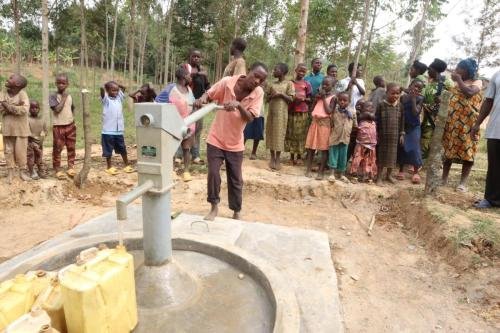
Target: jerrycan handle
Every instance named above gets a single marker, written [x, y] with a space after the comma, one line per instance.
[86, 255]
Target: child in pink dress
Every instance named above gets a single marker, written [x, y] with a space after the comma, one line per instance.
[364, 161]
[319, 132]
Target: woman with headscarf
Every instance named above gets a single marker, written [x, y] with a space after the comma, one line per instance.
[465, 102]
[436, 83]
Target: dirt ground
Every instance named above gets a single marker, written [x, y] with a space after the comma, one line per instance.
[404, 278]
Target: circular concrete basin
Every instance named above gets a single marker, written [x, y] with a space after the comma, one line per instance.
[215, 287]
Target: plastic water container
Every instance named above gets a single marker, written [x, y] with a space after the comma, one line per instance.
[16, 297]
[18, 294]
[98, 292]
[36, 321]
[50, 300]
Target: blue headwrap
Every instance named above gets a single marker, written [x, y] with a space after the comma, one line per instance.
[470, 65]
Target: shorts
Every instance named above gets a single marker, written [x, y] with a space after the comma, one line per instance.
[111, 142]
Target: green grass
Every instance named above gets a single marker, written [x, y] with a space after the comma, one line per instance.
[481, 228]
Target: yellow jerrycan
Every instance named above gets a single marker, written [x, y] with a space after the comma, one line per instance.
[50, 300]
[36, 321]
[18, 294]
[98, 292]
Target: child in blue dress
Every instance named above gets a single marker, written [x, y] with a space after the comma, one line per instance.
[410, 153]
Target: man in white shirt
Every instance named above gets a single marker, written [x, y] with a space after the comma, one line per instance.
[491, 107]
[358, 85]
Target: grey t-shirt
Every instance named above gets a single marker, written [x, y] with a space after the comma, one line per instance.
[493, 91]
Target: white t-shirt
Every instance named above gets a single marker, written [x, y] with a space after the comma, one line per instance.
[493, 91]
[356, 95]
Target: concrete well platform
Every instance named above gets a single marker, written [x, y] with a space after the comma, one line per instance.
[296, 262]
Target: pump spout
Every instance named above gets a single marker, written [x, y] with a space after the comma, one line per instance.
[123, 201]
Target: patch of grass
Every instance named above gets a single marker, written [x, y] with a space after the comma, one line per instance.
[481, 228]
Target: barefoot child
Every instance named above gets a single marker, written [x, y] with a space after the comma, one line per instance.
[296, 130]
[279, 94]
[113, 126]
[38, 130]
[14, 108]
[390, 120]
[344, 119]
[182, 97]
[145, 94]
[364, 161]
[319, 131]
[409, 153]
[64, 128]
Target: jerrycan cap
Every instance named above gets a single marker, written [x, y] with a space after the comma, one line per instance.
[41, 273]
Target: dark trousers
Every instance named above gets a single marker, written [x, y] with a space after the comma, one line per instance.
[492, 191]
[63, 135]
[234, 160]
[35, 155]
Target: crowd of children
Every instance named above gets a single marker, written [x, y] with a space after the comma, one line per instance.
[24, 131]
[311, 115]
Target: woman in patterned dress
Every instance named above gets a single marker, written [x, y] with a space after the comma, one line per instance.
[464, 106]
[279, 94]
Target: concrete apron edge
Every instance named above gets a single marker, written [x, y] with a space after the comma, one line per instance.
[287, 311]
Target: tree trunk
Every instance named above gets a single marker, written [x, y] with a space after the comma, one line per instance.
[102, 55]
[83, 47]
[218, 61]
[434, 161]
[125, 59]
[300, 50]
[131, 44]
[265, 34]
[107, 34]
[81, 177]
[170, 14]
[419, 35]
[172, 78]
[361, 40]
[370, 36]
[143, 51]
[348, 56]
[482, 35]
[45, 62]
[15, 12]
[115, 23]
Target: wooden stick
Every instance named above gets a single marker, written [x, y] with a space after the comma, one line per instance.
[372, 223]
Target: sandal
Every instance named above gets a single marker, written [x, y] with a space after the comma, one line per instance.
[462, 188]
[112, 171]
[483, 204]
[416, 179]
[332, 179]
[71, 172]
[198, 161]
[60, 175]
[186, 176]
[128, 169]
